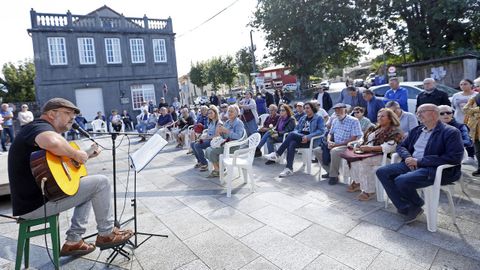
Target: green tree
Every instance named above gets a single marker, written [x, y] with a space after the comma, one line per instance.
[229, 71]
[243, 59]
[424, 29]
[220, 70]
[19, 80]
[198, 75]
[307, 35]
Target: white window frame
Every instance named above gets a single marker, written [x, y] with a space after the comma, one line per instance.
[137, 50]
[57, 51]
[113, 53]
[141, 93]
[86, 51]
[159, 50]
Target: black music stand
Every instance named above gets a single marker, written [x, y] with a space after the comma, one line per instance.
[141, 158]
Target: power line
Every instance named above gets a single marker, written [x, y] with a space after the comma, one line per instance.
[209, 19]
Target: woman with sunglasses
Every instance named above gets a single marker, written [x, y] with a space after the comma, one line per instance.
[460, 99]
[365, 123]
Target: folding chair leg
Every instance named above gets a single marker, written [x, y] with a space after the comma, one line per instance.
[450, 193]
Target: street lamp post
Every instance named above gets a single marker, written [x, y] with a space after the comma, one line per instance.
[252, 51]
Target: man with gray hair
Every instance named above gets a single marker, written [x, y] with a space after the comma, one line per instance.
[426, 147]
[432, 95]
[397, 93]
[407, 120]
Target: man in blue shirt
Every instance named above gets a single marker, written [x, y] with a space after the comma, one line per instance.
[397, 93]
[373, 105]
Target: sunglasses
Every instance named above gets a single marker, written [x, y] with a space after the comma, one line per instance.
[448, 113]
[282, 110]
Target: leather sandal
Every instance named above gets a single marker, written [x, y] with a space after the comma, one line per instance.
[365, 196]
[78, 249]
[353, 187]
[115, 238]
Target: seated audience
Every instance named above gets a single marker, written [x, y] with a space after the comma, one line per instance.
[271, 119]
[173, 112]
[184, 121]
[142, 121]
[100, 116]
[373, 105]
[407, 120]
[426, 147]
[164, 122]
[232, 129]
[359, 113]
[286, 123]
[127, 120]
[309, 126]
[299, 112]
[382, 138]
[223, 112]
[203, 142]
[472, 119]
[344, 129]
[249, 113]
[116, 121]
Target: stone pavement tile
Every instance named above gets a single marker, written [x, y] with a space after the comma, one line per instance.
[453, 241]
[466, 227]
[344, 249]
[466, 209]
[385, 219]
[245, 204]
[281, 200]
[281, 220]
[389, 261]
[196, 180]
[186, 223]
[234, 222]
[449, 260]
[166, 182]
[194, 265]
[355, 208]
[327, 216]
[260, 264]
[220, 251]
[280, 249]
[325, 262]
[413, 250]
[6, 264]
[161, 205]
[202, 204]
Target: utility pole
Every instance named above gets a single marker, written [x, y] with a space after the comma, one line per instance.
[252, 51]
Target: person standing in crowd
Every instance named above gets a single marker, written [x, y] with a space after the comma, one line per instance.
[407, 120]
[1, 125]
[127, 120]
[426, 147]
[214, 99]
[271, 120]
[231, 130]
[472, 119]
[323, 98]
[261, 104]
[203, 142]
[396, 93]
[382, 138]
[151, 106]
[344, 97]
[175, 104]
[344, 129]
[269, 99]
[280, 97]
[25, 116]
[94, 190]
[359, 113]
[249, 114]
[299, 112]
[162, 103]
[374, 105]
[7, 125]
[309, 126]
[357, 98]
[432, 95]
[446, 116]
[460, 99]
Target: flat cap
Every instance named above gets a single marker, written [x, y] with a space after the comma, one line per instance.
[339, 105]
[56, 103]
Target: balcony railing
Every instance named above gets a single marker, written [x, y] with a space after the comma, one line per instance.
[68, 21]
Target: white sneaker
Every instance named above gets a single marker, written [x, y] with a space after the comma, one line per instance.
[286, 172]
[469, 161]
[272, 156]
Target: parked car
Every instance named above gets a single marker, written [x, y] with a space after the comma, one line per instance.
[358, 83]
[325, 85]
[370, 80]
[413, 88]
[202, 100]
[289, 87]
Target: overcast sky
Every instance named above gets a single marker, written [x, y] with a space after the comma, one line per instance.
[224, 35]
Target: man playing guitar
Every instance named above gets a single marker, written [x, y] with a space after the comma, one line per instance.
[94, 191]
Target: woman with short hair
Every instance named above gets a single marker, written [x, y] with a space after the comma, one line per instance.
[249, 114]
[203, 142]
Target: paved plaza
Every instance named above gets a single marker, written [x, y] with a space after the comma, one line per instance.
[297, 222]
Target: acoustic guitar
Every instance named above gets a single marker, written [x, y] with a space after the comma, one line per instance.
[61, 175]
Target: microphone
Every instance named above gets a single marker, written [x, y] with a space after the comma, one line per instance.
[81, 130]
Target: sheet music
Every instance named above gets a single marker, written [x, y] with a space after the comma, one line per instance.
[147, 152]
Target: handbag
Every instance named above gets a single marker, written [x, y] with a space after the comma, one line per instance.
[350, 155]
[217, 142]
[247, 115]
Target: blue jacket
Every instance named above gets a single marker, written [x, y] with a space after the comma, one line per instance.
[373, 106]
[261, 105]
[400, 96]
[445, 146]
[317, 128]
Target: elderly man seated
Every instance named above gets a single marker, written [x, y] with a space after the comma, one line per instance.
[426, 147]
[407, 120]
[345, 129]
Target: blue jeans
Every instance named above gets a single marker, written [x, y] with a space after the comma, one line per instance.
[198, 148]
[251, 127]
[293, 141]
[401, 184]
[6, 130]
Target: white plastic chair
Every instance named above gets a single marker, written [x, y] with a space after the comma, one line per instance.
[307, 154]
[226, 153]
[110, 126]
[98, 125]
[243, 160]
[431, 195]
[186, 144]
[262, 118]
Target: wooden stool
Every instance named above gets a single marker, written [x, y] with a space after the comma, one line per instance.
[25, 233]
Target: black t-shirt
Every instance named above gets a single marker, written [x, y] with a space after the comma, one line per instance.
[26, 195]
